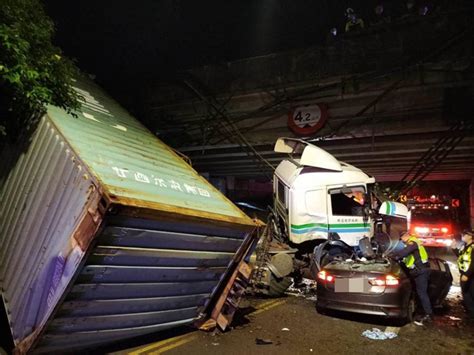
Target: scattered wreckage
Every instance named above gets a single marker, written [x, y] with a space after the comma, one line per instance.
[325, 225]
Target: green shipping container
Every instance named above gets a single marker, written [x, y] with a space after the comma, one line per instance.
[106, 233]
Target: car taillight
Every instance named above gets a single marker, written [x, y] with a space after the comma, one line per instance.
[388, 280]
[444, 230]
[324, 276]
[391, 280]
[377, 282]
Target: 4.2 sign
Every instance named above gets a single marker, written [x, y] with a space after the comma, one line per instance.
[307, 120]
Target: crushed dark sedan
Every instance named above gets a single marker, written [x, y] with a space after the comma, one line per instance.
[377, 287]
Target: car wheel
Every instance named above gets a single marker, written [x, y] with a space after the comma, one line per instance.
[320, 310]
[411, 308]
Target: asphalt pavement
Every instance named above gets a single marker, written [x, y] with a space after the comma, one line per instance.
[291, 325]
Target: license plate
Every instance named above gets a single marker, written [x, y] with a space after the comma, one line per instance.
[350, 285]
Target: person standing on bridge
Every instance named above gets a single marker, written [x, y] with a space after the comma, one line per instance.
[354, 22]
[466, 269]
[415, 258]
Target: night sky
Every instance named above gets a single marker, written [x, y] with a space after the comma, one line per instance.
[152, 39]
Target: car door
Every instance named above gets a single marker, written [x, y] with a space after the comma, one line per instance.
[440, 281]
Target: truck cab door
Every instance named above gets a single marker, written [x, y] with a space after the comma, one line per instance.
[281, 199]
[346, 213]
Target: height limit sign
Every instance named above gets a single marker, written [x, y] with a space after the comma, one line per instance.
[307, 120]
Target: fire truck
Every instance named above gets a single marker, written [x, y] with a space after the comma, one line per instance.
[431, 220]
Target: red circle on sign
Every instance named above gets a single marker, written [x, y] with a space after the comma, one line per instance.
[307, 120]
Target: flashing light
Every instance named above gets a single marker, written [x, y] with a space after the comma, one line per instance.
[422, 229]
[444, 230]
[388, 280]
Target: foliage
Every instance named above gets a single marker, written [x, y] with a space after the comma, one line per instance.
[33, 72]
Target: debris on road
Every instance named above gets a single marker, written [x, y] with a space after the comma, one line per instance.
[377, 334]
[261, 341]
[285, 329]
[454, 318]
[306, 288]
[454, 293]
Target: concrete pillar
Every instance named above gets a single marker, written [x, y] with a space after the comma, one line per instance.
[471, 203]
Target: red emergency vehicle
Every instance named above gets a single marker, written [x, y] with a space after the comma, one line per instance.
[431, 221]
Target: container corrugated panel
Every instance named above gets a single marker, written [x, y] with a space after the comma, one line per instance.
[138, 280]
[46, 197]
[134, 167]
[146, 271]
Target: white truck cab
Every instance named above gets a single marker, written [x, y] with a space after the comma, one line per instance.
[315, 194]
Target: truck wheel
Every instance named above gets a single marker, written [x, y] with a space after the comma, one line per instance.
[278, 287]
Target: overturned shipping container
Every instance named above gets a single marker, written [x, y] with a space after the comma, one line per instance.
[106, 233]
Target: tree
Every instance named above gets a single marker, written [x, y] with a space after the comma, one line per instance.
[33, 72]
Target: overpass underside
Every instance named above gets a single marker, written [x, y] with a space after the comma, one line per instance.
[398, 98]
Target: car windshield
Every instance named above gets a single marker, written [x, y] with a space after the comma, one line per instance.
[430, 215]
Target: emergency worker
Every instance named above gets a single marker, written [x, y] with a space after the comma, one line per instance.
[410, 9]
[466, 269]
[415, 258]
[354, 22]
[380, 16]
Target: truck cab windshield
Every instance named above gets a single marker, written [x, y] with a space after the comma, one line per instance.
[430, 215]
[348, 201]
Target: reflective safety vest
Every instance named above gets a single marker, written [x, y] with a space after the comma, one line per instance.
[410, 259]
[465, 257]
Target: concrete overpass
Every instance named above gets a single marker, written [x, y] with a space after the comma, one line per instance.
[398, 98]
